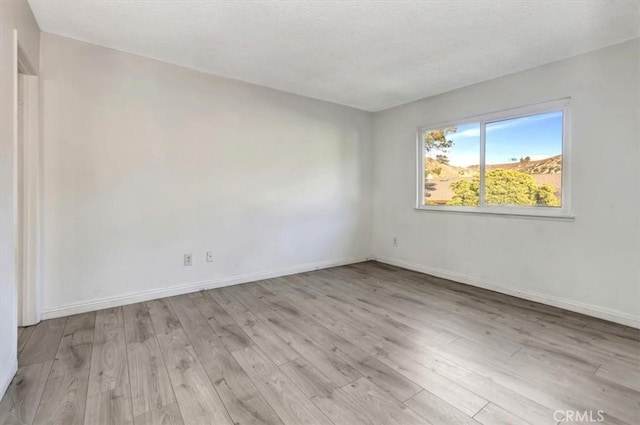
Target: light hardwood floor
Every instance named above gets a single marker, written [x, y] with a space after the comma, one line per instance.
[361, 344]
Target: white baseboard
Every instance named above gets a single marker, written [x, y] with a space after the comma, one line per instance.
[136, 297]
[575, 306]
[8, 377]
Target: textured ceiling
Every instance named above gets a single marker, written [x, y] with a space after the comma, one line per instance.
[367, 54]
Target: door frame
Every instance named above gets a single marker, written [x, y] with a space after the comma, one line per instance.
[28, 215]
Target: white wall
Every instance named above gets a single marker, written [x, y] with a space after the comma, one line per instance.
[591, 264]
[146, 161]
[14, 15]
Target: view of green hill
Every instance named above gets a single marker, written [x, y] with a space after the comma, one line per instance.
[445, 171]
[551, 165]
[441, 179]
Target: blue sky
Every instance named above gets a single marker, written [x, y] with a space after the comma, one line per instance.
[537, 136]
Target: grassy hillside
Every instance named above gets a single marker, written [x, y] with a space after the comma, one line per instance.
[441, 176]
[444, 171]
[552, 165]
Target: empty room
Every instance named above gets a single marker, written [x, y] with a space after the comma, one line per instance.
[319, 212]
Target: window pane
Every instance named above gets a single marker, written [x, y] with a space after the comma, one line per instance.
[451, 175]
[523, 158]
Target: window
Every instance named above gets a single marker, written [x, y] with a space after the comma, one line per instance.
[509, 162]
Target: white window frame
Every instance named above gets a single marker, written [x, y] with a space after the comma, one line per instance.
[562, 212]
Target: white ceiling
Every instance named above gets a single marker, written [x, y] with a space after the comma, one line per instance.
[367, 54]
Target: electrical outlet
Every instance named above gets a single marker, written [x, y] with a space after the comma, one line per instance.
[188, 259]
[395, 241]
[209, 256]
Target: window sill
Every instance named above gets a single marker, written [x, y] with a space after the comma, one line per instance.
[529, 215]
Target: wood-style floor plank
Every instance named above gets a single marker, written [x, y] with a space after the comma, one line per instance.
[109, 394]
[198, 400]
[43, 342]
[293, 407]
[211, 309]
[165, 415]
[23, 337]
[308, 378]
[261, 335]
[65, 393]
[495, 415]
[361, 344]
[148, 378]
[343, 410]
[335, 368]
[437, 411]
[384, 407]
[21, 401]
[111, 406]
[243, 401]
[109, 356]
[620, 375]
[399, 386]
